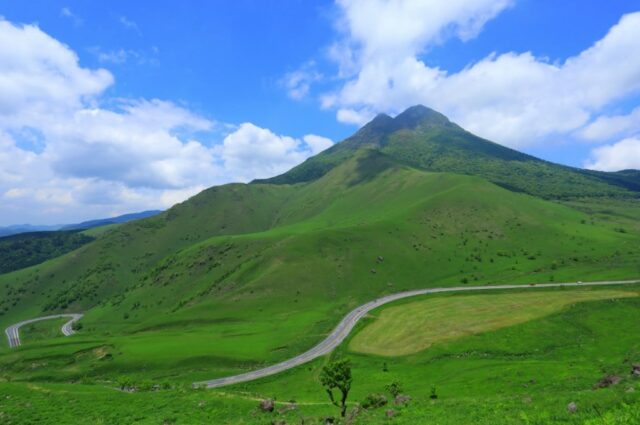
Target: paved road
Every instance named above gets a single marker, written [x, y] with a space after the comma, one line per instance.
[13, 331]
[346, 325]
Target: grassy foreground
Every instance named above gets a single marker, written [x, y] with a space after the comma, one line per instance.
[526, 373]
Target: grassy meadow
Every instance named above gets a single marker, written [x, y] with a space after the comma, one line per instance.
[523, 373]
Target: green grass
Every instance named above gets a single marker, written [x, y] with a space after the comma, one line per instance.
[413, 327]
[521, 374]
[45, 329]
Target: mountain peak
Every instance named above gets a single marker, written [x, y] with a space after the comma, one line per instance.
[420, 115]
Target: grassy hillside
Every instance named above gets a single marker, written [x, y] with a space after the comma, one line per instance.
[282, 264]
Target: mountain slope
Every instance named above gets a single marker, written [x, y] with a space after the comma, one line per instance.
[426, 139]
[250, 274]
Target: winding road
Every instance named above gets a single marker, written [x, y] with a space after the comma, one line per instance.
[335, 338]
[343, 329]
[13, 331]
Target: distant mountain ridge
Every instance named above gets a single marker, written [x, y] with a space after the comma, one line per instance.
[28, 228]
[426, 139]
[114, 220]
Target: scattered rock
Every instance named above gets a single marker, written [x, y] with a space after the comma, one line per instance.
[635, 370]
[267, 405]
[373, 271]
[390, 413]
[329, 420]
[607, 381]
[351, 416]
[572, 407]
[401, 399]
[380, 259]
[279, 422]
[202, 403]
[630, 390]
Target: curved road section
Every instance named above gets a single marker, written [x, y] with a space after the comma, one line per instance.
[13, 331]
[346, 326]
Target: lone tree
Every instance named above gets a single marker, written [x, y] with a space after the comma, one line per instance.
[337, 374]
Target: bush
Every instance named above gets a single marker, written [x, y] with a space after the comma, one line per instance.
[374, 401]
[394, 388]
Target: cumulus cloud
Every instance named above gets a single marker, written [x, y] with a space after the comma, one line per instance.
[607, 127]
[517, 99]
[64, 156]
[316, 143]
[253, 152]
[623, 155]
[38, 74]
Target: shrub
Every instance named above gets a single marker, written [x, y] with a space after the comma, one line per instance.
[374, 401]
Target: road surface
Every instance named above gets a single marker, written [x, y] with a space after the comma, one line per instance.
[13, 331]
[343, 329]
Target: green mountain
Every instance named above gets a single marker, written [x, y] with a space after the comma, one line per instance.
[257, 272]
[425, 139]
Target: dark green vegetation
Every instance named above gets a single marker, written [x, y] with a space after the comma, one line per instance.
[337, 376]
[241, 276]
[28, 249]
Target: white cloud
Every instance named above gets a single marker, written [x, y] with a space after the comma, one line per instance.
[405, 27]
[623, 155]
[64, 156]
[38, 74]
[113, 56]
[351, 116]
[298, 83]
[514, 98]
[65, 12]
[129, 24]
[253, 152]
[317, 144]
[607, 127]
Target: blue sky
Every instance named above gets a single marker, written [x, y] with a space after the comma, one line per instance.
[119, 106]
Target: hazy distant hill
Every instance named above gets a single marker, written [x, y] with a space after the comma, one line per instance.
[25, 228]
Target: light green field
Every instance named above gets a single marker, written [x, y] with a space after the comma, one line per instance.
[416, 326]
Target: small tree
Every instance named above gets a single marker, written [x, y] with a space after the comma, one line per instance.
[394, 388]
[337, 374]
